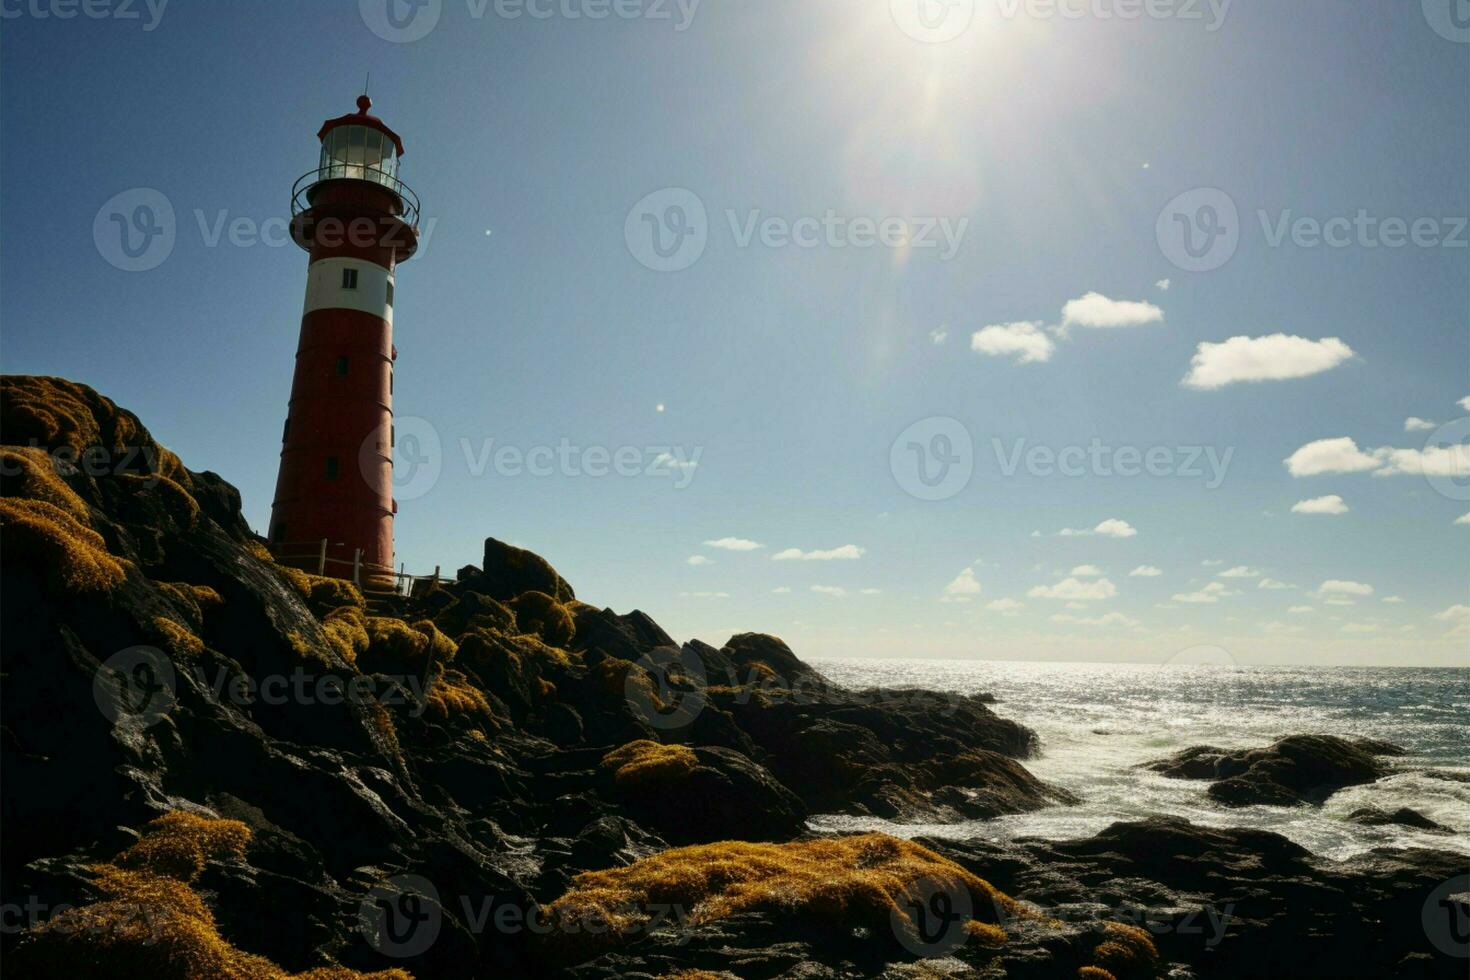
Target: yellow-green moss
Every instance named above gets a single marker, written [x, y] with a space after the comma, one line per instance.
[178, 844]
[451, 697]
[1094, 973]
[346, 630]
[31, 473]
[59, 416]
[71, 555]
[855, 881]
[1128, 953]
[149, 922]
[321, 592]
[540, 615]
[645, 762]
[176, 637]
[191, 600]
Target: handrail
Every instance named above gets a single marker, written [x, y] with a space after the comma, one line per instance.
[403, 581]
[301, 190]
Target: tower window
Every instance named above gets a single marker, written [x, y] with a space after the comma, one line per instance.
[390, 292]
[332, 467]
[349, 278]
[342, 366]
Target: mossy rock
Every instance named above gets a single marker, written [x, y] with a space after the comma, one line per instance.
[509, 572]
[538, 614]
[474, 611]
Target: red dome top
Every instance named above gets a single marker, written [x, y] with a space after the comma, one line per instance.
[361, 118]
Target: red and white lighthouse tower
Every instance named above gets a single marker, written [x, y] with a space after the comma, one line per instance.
[357, 221]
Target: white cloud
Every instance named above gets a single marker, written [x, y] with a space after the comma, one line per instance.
[1396, 600]
[1240, 571]
[1087, 571]
[1273, 585]
[1429, 461]
[836, 591]
[1163, 285]
[734, 544]
[1458, 617]
[1342, 455]
[1464, 403]
[1006, 607]
[673, 462]
[1212, 562]
[1145, 571]
[781, 590]
[1331, 504]
[1024, 339]
[1096, 310]
[1076, 590]
[871, 592]
[706, 595]
[1209, 595]
[1336, 588]
[963, 587]
[1107, 619]
[698, 560]
[1274, 358]
[1415, 424]
[1110, 528]
[1463, 518]
[939, 336]
[1330, 456]
[848, 552]
[1301, 610]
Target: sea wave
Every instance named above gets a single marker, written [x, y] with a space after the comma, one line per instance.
[1098, 722]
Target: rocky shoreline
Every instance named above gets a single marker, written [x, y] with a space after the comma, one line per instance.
[216, 766]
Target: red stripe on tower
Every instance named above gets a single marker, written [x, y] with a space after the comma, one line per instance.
[357, 221]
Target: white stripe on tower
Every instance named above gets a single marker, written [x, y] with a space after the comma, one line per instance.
[327, 288]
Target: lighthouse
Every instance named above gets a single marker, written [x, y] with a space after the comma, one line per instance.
[333, 507]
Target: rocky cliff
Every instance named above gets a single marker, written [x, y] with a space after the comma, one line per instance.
[217, 766]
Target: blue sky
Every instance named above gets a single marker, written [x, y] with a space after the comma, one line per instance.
[1060, 160]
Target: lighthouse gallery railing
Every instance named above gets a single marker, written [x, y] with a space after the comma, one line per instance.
[301, 191]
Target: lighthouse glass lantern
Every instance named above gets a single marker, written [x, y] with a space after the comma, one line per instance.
[359, 153]
[333, 508]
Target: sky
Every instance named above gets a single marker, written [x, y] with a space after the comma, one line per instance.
[985, 330]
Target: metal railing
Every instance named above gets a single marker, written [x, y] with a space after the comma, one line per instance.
[301, 191]
[362, 571]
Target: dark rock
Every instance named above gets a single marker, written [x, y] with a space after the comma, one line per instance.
[510, 572]
[1293, 770]
[1372, 816]
[727, 796]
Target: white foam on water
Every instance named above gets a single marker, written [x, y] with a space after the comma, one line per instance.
[1098, 722]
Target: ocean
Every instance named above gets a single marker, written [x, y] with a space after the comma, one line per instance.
[1096, 722]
